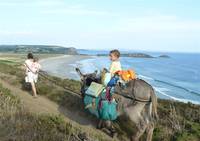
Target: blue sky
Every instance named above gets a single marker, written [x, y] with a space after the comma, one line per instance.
[150, 25]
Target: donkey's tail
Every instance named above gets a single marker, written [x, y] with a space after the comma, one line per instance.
[154, 105]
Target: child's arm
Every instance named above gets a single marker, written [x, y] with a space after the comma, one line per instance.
[39, 67]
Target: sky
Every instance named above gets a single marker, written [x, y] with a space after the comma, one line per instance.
[147, 25]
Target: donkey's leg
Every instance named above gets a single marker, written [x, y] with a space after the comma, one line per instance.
[100, 124]
[150, 129]
[142, 125]
[110, 127]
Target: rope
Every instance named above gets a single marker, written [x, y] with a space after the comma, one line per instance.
[55, 82]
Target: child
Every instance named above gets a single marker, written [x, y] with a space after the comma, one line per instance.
[36, 68]
[115, 65]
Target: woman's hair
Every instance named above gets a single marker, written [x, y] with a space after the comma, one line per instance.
[115, 52]
[30, 56]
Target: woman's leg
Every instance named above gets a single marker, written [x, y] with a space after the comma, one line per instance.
[34, 89]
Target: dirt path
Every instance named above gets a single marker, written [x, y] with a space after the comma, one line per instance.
[39, 105]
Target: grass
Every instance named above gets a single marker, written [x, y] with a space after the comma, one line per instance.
[178, 121]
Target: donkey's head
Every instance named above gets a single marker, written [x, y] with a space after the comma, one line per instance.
[87, 79]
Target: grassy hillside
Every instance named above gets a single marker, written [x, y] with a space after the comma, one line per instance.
[178, 121]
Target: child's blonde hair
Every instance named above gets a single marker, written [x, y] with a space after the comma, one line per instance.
[35, 59]
[115, 52]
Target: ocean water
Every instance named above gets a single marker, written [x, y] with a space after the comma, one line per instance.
[177, 77]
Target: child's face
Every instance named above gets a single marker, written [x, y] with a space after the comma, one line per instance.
[113, 57]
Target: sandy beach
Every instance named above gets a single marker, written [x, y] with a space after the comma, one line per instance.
[55, 65]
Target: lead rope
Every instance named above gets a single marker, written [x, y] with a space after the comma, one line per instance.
[54, 82]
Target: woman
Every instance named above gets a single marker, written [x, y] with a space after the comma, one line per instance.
[30, 73]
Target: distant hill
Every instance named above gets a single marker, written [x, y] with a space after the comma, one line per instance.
[38, 49]
[164, 56]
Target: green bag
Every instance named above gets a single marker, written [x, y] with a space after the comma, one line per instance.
[108, 110]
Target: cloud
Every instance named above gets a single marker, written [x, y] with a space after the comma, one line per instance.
[9, 3]
[32, 3]
[57, 7]
[161, 23]
[16, 32]
[49, 3]
[77, 10]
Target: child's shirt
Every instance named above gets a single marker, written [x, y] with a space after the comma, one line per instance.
[36, 67]
[114, 67]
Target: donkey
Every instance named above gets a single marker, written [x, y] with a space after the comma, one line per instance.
[137, 101]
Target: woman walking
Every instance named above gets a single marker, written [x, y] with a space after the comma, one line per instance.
[32, 69]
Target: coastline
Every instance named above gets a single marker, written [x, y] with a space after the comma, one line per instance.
[54, 65]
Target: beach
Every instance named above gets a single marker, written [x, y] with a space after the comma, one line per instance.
[63, 66]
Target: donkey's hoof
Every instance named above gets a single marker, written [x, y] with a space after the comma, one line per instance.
[114, 134]
[106, 131]
[99, 127]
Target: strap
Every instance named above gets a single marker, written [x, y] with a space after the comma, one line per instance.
[29, 68]
[134, 99]
[133, 95]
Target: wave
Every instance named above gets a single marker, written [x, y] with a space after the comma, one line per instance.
[159, 90]
[169, 84]
[180, 87]
[145, 77]
[87, 65]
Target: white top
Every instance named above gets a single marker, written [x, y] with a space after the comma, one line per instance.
[115, 66]
[28, 64]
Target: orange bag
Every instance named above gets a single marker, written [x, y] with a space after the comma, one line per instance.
[127, 75]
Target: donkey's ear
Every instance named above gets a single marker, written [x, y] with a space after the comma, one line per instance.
[95, 72]
[79, 72]
[105, 70]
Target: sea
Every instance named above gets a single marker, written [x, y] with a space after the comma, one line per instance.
[176, 77]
